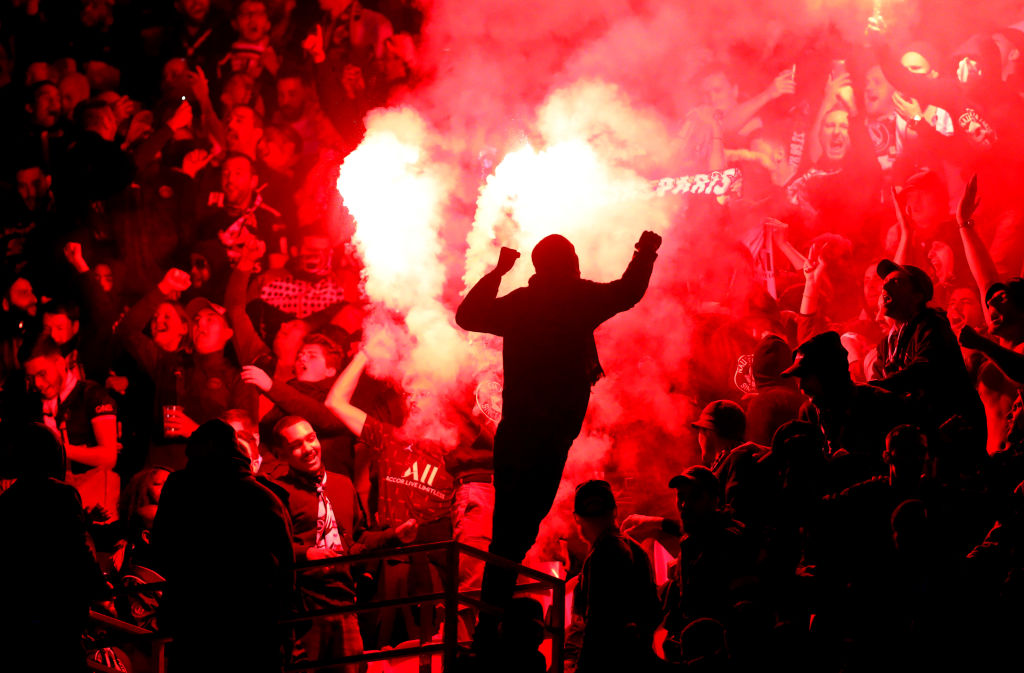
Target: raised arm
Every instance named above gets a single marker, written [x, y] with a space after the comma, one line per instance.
[624, 293]
[338, 398]
[738, 117]
[978, 258]
[480, 309]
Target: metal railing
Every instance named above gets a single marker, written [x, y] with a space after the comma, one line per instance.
[451, 598]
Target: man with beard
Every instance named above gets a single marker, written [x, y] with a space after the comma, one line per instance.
[28, 217]
[242, 214]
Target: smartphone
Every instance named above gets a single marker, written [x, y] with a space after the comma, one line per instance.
[838, 67]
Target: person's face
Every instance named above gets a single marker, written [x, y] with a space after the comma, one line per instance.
[291, 98]
[47, 373]
[288, 339]
[835, 134]
[104, 276]
[900, 300]
[392, 62]
[810, 385]
[242, 134]
[1003, 314]
[302, 448]
[315, 254]
[168, 326]
[237, 181]
[916, 63]
[249, 441]
[194, 10]
[694, 504]
[210, 332]
[73, 90]
[872, 287]
[60, 327]
[940, 256]
[21, 296]
[705, 442]
[877, 93]
[311, 364]
[719, 92]
[927, 209]
[32, 184]
[276, 151]
[964, 308]
[95, 12]
[251, 21]
[155, 485]
[46, 107]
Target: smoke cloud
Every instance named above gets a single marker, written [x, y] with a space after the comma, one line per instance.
[541, 117]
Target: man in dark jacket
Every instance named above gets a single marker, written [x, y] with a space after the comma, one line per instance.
[223, 541]
[853, 417]
[550, 362]
[921, 358]
[615, 606]
[327, 517]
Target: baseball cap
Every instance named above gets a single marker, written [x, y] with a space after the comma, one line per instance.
[1014, 289]
[822, 352]
[697, 475]
[723, 417]
[918, 277]
[197, 304]
[594, 498]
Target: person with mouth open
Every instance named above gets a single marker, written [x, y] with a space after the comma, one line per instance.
[921, 359]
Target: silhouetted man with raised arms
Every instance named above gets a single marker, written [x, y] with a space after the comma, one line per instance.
[551, 362]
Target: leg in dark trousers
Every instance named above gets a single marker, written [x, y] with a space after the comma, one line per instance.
[528, 463]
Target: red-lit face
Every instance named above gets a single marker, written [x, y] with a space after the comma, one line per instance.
[877, 93]
[210, 331]
[721, 94]
[835, 134]
[249, 441]
[47, 374]
[251, 21]
[964, 308]
[21, 296]
[311, 364]
[302, 448]
[194, 10]
[33, 184]
[291, 98]
[900, 299]
[168, 327]
[916, 63]
[1003, 314]
[60, 327]
[46, 107]
[237, 181]
[242, 132]
[104, 276]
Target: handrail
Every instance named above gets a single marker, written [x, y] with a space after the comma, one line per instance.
[451, 597]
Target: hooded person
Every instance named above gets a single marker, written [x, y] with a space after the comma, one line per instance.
[223, 541]
[775, 399]
[550, 364]
[48, 585]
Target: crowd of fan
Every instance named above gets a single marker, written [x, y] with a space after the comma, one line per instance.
[179, 347]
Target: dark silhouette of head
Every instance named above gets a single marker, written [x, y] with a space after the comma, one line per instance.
[555, 257]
